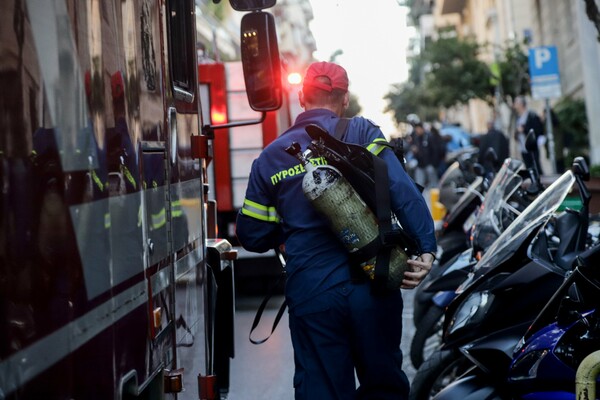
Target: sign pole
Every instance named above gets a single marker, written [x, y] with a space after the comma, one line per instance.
[545, 84]
[550, 137]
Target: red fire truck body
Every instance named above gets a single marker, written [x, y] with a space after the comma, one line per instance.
[235, 148]
[113, 283]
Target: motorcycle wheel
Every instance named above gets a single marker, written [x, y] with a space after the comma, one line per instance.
[422, 299]
[437, 372]
[428, 335]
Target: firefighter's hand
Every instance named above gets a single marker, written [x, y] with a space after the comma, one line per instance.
[420, 267]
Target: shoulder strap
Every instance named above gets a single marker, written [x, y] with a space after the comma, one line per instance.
[382, 196]
[260, 310]
[340, 128]
[262, 306]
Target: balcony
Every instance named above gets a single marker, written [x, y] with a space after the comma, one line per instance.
[453, 6]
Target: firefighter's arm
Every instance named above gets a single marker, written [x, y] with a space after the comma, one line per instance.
[256, 235]
[409, 206]
[258, 225]
[407, 202]
[420, 267]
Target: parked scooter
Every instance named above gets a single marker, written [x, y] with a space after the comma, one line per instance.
[566, 331]
[511, 191]
[458, 176]
[453, 237]
[510, 284]
[544, 363]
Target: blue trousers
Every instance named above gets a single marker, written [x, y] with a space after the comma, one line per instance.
[347, 330]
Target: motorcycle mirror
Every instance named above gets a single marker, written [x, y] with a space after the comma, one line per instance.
[478, 169]
[530, 141]
[567, 312]
[580, 168]
[491, 155]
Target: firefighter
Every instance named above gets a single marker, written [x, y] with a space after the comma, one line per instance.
[339, 324]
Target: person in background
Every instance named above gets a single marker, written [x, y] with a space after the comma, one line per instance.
[496, 140]
[526, 121]
[423, 147]
[563, 141]
[438, 147]
[340, 326]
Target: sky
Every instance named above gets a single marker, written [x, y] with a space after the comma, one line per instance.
[372, 35]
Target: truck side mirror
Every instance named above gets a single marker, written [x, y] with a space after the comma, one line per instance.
[260, 60]
[251, 5]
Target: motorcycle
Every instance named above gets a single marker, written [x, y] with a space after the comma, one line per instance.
[566, 331]
[546, 359]
[458, 176]
[511, 282]
[512, 189]
[453, 237]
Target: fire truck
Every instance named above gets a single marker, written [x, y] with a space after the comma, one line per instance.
[113, 281]
[238, 141]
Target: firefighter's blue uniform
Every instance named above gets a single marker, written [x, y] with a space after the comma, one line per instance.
[346, 325]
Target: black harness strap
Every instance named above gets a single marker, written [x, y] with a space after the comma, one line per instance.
[340, 128]
[262, 306]
[382, 195]
[383, 213]
[261, 309]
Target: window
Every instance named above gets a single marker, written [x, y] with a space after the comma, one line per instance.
[182, 48]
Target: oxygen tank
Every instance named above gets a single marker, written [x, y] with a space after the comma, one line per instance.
[353, 222]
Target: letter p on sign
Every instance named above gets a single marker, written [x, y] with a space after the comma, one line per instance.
[541, 56]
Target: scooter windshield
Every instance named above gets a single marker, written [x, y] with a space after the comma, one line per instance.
[497, 211]
[534, 216]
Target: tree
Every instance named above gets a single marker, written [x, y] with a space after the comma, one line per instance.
[455, 75]
[513, 72]
[408, 98]
[447, 73]
[511, 76]
[573, 128]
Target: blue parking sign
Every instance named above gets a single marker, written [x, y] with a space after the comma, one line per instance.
[544, 73]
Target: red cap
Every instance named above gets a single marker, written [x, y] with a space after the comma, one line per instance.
[117, 86]
[336, 74]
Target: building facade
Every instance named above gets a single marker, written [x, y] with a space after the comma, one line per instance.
[559, 23]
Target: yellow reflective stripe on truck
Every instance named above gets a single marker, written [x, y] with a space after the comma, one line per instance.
[258, 211]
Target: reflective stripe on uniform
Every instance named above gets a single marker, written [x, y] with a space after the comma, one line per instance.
[129, 176]
[377, 146]
[159, 219]
[258, 211]
[176, 210]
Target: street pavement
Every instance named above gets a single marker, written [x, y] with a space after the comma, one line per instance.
[265, 371]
